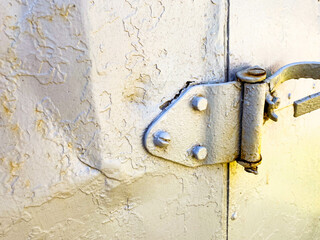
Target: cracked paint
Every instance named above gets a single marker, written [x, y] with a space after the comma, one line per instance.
[79, 82]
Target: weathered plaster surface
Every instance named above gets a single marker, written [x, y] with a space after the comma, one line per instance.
[79, 82]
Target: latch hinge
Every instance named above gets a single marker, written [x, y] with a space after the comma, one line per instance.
[222, 122]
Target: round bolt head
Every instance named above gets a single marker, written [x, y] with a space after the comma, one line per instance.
[256, 71]
[199, 152]
[199, 103]
[161, 139]
[252, 75]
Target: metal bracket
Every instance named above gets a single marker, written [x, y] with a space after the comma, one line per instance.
[222, 122]
[193, 133]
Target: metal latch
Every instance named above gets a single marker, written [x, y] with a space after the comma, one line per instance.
[222, 122]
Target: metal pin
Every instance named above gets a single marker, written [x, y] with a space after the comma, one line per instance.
[199, 152]
[254, 97]
[199, 103]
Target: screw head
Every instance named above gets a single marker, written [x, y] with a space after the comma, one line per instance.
[252, 75]
[161, 138]
[256, 71]
[199, 152]
[199, 103]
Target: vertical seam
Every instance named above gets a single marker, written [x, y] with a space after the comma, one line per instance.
[228, 183]
[227, 41]
[227, 77]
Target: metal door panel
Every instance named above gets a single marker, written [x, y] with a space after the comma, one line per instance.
[282, 202]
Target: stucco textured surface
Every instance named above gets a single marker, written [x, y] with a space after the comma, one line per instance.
[80, 80]
[79, 83]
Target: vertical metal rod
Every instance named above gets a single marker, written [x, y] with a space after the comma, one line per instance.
[252, 121]
[254, 96]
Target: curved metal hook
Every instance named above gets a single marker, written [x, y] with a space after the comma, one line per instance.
[294, 71]
[291, 71]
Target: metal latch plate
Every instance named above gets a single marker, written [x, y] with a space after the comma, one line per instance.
[217, 128]
[307, 104]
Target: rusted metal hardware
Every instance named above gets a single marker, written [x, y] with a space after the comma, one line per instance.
[253, 99]
[222, 122]
[252, 75]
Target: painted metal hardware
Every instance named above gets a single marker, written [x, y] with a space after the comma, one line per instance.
[306, 104]
[199, 152]
[290, 71]
[216, 128]
[222, 122]
[161, 139]
[199, 103]
[253, 100]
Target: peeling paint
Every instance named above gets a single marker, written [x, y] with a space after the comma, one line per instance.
[79, 82]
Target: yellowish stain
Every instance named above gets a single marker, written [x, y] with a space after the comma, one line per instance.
[64, 11]
[39, 125]
[63, 173]
[27, 183]
[14, 167]
[15, 128]
[6, 109]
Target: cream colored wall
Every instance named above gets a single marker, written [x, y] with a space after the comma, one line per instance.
[80, 81]
[282, 202]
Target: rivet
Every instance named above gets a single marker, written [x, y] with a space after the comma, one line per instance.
[199, 103]
[161, 139]
[199, 152]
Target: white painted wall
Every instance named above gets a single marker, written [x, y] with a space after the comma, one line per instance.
[80, 81]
